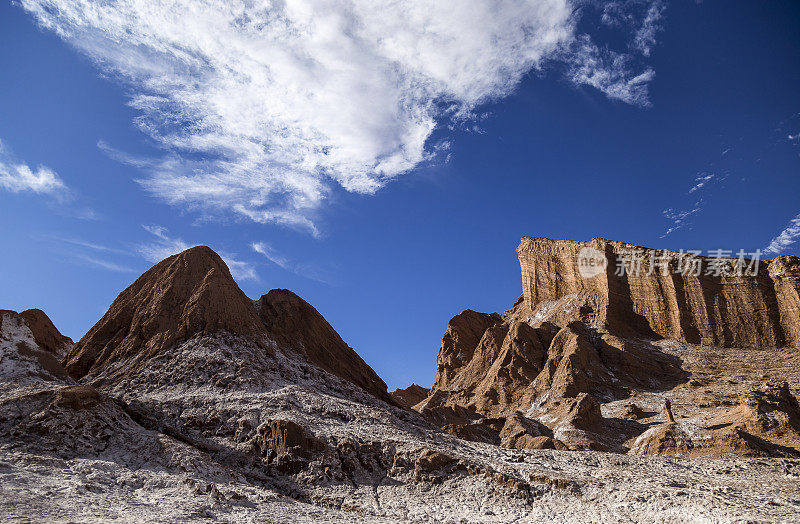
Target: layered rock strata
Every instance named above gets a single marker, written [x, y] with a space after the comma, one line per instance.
[700, 300]
[583, 337]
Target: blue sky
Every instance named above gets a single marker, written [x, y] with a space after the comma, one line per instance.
[384, 164]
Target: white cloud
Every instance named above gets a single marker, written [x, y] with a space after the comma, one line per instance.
[643, 17]
[703, 183]
[702, 180]
[265, 249]
[18, 177]
[165, 246]
[104, 264]
[90, 245]
[645, 37]
[264, 107]
[786, 238]
[680, 219]
[310, 271]
[608, 71]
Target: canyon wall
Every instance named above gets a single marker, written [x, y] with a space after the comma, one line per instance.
[663, 293]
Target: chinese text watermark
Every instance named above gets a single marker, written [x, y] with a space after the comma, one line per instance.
[716, 263]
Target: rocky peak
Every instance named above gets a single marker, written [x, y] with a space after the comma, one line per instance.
[464, 332]
[23, 359]
[295, 324]
[47, 336]
[410, 396]
[191, 293]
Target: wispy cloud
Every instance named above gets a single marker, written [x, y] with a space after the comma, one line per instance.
[645, 37]
[16, 176]
[90, 252]
[700, 191]
[303, 269]
[608, 71]
[786, 238]
[91, 245]
[104, 264]
[643, 17]
[165, 246]
[265, 249]
[680, 219]
[704, 179]
[264, 108]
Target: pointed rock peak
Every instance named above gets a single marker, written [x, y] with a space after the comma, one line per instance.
[24, 360]
[464, 332]
[410, 396]
[191, 293]
[294, 323]
[47, 336]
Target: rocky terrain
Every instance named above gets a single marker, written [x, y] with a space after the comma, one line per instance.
[591, 362]
[188, 401]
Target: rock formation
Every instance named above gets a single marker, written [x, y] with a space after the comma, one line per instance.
[45, 333]
[294, 323]
[408, 397]
[659, 293]
[192, 402]
[577, 340]
[24, 357]
[191, 293]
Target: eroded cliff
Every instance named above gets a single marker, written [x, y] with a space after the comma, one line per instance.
[669, 294]
[601, 324]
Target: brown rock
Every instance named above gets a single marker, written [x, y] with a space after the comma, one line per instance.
[631, 411]
[437, 409]
[664, 439]
[12, 326]
[766, 423]
[45, 333]
[541, 442]
[496, 368]
[464, 331]
[668, 411]
[191, 293]
[409, 396]
[473, 431]
[518, 432]
[582, 412]
[77, 397]
[430, 461]
[674, 440]
[285, 437]
[574, 366]
[294, 323]
[741, 311]
[771, 413]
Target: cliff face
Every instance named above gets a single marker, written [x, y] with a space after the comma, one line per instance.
[586, 338]
[659, 299]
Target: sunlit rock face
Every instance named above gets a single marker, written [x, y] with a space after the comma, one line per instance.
[664, 294]
[605, 334]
